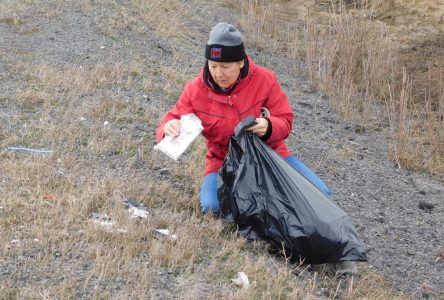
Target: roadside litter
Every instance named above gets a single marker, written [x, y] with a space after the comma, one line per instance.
[25, 149]
[48, 197]
[136, 210]
[104, 221]
[241, 280]
[164, 233]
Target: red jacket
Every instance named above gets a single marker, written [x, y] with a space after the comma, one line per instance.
[220, 113]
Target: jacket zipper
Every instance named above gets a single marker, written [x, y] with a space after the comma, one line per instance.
[235, 107]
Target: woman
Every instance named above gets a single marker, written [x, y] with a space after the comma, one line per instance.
[229, 88]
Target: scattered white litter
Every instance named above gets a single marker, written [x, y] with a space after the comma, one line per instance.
[164, 233]
[36, 240]
[82, 119]
[15, 241]
[105, 123]
[102, 47]
[241, 280]
[102, 220]
[25, 149]
[137, 212]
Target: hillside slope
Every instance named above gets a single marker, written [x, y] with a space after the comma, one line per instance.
[90, 80]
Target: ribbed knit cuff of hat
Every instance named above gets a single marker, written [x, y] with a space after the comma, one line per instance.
[222, 53]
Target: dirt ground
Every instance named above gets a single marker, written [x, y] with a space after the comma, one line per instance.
[399, 214]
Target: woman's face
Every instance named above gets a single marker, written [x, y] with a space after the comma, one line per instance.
[225, 74]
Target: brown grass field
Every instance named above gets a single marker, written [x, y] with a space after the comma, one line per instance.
[98, 117]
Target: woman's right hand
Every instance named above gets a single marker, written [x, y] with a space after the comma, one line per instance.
[172, 127]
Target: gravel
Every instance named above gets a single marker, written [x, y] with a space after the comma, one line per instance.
[399, 214]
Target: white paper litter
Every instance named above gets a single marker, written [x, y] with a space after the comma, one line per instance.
[241, 280]
[165, 232]
[102, 220]
[136, 212]
[190, 128]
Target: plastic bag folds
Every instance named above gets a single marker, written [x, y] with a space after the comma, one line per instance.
[268, 199]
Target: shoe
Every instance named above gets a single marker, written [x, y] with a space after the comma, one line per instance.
[345, 268]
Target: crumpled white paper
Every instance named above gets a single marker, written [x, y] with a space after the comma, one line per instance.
[174, 147]
[241, 280]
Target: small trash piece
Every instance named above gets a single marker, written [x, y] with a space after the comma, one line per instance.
[82, 119]
[48, 197]
[241, 280]
[164, 171]
[105, 123]
[102, 220]
[136, 210]
[164, 233]
[24, 149]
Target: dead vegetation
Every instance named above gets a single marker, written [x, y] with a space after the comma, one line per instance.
[365, 55]
[50, 246]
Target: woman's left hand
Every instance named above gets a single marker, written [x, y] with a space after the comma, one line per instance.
[260, 128]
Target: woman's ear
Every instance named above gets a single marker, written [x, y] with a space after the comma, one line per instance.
[241, 64]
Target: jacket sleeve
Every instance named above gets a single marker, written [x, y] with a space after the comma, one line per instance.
[281, 114]
[182, 107]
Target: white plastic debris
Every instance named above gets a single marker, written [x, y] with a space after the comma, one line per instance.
[105, 123]
[15, 241]
[241, 280]
[165, 232]
[102, 220]
[190, 128]
[102, 47]
[145, 96]
[25, 149]
[82, 119]
[137, 212]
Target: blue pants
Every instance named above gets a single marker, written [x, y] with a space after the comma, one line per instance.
[208, 191]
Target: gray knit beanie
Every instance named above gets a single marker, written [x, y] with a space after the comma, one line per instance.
[225, 44]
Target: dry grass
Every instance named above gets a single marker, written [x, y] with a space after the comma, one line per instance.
[50, 246]
[357, 61]
[355, 52]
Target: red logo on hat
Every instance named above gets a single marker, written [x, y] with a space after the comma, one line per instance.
[216, 53]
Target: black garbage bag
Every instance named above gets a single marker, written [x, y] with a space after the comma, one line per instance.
[268, 199]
